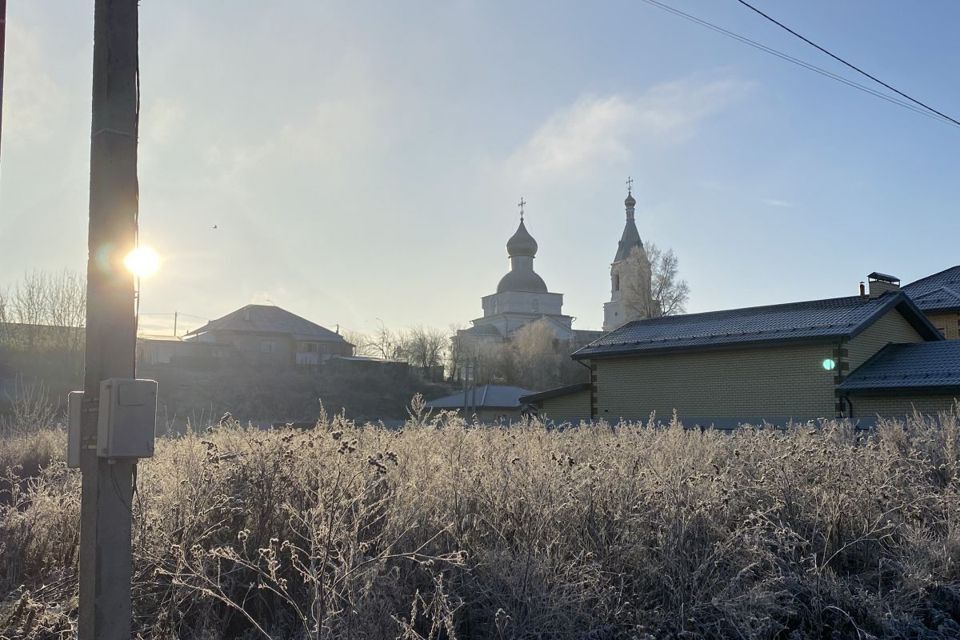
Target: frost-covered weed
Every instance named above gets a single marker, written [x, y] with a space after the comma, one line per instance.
[444, 530]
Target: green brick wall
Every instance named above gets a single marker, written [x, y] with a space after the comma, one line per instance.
[573, 407]
[751, 383]
[898, 406]
[891, 328]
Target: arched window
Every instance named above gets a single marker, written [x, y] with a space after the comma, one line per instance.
[616, 282]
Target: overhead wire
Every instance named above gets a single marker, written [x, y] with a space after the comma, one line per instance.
[797, 61]
[848, 64]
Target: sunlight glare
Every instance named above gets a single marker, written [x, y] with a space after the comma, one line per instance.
[142, 262]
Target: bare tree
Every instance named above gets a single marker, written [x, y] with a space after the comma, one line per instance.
[386, 344]
[30, 299]
[362, 343]
[456, 352]
[3, 305]
[663, 294]
[424, 346]
[537, 355]
[50, 309]
[4, 317]
[66, 299]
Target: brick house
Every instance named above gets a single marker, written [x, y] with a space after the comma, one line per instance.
[266, 335]
[797, 361]
[938, 296]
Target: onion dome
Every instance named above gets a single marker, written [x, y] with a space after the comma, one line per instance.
[521, 243]
[630, 202]
[524, 280]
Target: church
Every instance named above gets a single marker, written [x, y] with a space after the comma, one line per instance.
[523, 297]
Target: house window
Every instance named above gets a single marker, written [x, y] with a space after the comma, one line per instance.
[266, 346]
[311, 347]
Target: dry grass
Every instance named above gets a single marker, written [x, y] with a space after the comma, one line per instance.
[444, 530]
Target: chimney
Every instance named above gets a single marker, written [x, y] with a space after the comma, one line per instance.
[863, 291]
[880, 283]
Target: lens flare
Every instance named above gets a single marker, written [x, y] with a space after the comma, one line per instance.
[142, 262]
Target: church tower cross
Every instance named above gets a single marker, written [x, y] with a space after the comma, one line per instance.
[520, 204]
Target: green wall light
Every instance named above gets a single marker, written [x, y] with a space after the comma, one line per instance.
[829, 364]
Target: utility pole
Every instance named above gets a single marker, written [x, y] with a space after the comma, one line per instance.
[3, 48]
[105, 511]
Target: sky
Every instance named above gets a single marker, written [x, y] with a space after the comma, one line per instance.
[360, 162]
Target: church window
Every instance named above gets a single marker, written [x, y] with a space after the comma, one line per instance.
[616, 282]
[536, 304]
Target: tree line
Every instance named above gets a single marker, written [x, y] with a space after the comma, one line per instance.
[44, 310]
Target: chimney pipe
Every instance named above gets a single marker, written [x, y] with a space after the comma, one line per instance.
[881, 283]
[863, 291]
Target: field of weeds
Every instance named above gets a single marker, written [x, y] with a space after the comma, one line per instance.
[447, 530]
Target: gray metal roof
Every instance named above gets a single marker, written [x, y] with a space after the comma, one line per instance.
[921, 365]
[558, 392]
[937, 292]
[489, 396]
[259, 318]
[798, 321]
[629, 240]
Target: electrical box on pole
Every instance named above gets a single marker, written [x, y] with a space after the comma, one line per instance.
[126, 420]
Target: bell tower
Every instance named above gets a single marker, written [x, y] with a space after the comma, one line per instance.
[630, 274]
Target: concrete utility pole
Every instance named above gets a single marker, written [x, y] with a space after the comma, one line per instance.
[105, 512]
[3, 48]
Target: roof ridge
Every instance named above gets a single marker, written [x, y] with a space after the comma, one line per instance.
[932, 275]
[939, 289]
[780, 305]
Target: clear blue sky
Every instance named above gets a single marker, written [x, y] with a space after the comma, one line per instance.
[363, 160]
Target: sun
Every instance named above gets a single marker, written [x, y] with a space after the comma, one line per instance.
[142, 262]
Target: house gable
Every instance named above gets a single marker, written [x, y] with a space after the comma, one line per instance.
[890, 328]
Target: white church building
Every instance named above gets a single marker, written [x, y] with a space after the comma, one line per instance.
[522, 295]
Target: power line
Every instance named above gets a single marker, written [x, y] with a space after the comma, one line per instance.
[841, 60]
[788, 58]
[793, 60]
